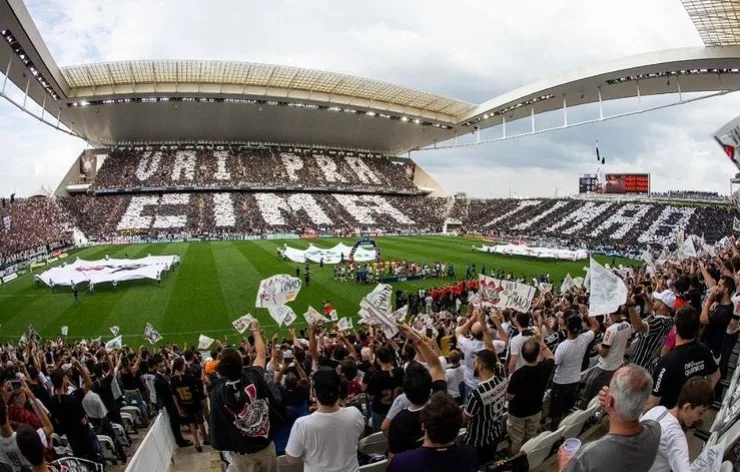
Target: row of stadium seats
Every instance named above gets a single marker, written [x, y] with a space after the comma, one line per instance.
[265, 169]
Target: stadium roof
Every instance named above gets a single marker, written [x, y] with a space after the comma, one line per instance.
[717, 21]
[169, 101]
[113, 78]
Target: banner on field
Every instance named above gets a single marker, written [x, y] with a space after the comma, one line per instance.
[277, 290]
[241, 324]
[607, 291]
[506, 294]
[151, 334]
[204, 342]
[282, 314]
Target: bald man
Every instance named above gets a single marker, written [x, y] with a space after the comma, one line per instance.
[469, 346]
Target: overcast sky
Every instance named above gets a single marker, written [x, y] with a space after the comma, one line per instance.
[472, 50]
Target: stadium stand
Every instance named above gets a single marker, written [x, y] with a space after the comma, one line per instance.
[255, 169]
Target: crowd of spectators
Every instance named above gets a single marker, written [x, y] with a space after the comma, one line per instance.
[254, 168]
[37, 225]
[698, 195]
[595, 223]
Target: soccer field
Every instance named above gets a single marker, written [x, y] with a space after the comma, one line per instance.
[217, 282]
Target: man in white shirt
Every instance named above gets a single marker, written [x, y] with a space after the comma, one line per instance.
[454, 376]
[611, 358]
[696, 397]
[568, 360]
[327, 439]
[516, 360]
[469, 347]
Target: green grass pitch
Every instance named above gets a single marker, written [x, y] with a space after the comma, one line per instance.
[217, 282]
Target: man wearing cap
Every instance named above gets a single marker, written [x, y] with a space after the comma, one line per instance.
[653, 329]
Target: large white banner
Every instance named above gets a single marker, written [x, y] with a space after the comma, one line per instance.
[538, 252]
[506, 294]
[333, 255]
[108, 270]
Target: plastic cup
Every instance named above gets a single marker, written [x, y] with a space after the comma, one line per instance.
[567, 450]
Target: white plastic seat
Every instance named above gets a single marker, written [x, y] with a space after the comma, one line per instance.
[538, 448]
[109, 449]
[375, 444]
[375, 467]
[134, 413]
[284, 466]
[128, 423]
[572, 425]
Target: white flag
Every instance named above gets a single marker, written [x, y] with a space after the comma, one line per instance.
[648, 258]
[400, 314]
[114, 343]
[96, 340]
[65, 330]
[277, 290]
[151, 334]
[578, 282]
[735, 224]
[333, 315]
[204, 342]
[345, 324]
[567, 283]
[687, 249]
[114, 330]
[608, 291]
[241, 324]
[312, 316]
[280, 313]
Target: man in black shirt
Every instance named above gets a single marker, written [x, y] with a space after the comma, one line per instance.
[526, 391]
[69, 416]
[383, 385]
[188, 401]
[717, 320]
[688, 359]
[244, 414]
[166, 400]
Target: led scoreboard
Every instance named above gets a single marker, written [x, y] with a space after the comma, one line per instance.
[614, 183]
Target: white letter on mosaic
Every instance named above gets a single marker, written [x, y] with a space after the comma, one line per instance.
[329, 168]
[184, 162]
[148, 165]
[133, 219]
[223, 210]
[363, 207]
[272, 208]
[173, 221]
[519, 207]
[666, 227]
[221, 172]
[582, 216]
[624, 219]
[292, 165]
[362, 170]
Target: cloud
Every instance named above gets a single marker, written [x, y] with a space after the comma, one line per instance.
[470, 50]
